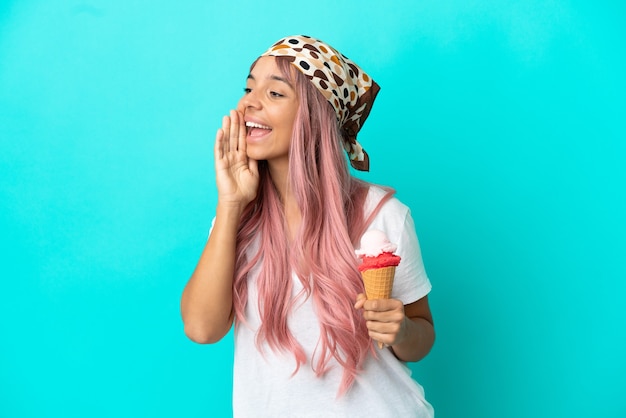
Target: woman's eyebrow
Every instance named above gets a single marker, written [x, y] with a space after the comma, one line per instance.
[273, 77]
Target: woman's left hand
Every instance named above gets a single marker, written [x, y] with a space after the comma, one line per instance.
[385, 319]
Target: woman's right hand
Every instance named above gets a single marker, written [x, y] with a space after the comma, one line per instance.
[237, 175]
[207, 301]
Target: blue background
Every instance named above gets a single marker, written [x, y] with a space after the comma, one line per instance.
[501, 124]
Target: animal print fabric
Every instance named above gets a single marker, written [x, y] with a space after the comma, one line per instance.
[349, 90]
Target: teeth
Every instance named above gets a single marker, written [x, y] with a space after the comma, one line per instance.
[256, 125]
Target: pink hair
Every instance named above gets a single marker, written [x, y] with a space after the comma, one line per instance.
[321, 254]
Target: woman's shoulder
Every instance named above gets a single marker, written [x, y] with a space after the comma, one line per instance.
[376, 193]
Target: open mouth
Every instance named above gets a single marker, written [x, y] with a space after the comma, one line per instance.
[256, 129]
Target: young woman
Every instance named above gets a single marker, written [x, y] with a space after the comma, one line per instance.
[280, 259]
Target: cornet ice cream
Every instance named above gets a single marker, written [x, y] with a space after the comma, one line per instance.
[378, 265]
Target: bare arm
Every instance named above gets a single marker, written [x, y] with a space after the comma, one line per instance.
[207, 301]
[408, 329]
[206, 304]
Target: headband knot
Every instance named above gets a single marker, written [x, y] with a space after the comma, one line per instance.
[349, 90]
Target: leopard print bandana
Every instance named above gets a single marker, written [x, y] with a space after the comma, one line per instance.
[347, 88]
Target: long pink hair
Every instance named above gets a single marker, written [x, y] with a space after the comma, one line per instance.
[321, 254]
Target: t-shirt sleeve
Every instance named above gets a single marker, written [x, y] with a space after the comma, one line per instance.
[211, 228]
[411, 282]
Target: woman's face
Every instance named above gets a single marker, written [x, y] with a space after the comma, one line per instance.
[269, 105]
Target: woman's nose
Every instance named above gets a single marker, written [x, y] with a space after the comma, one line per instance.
[250, 100]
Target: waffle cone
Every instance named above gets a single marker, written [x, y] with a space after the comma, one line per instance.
[378, 282]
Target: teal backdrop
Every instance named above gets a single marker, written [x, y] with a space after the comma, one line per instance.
[501, 124]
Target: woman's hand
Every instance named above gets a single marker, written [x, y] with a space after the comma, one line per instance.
[408, 329]
[237, 175]
[207, 301]
[385, 319]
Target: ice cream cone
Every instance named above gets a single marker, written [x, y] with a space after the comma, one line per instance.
[378, 282]
[378, 266]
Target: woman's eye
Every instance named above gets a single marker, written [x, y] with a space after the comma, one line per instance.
[247, 90]
[274, 94]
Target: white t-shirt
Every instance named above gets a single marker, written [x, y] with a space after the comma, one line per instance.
[264, 383]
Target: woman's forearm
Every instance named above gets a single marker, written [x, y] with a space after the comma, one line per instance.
[207, 301]
[419, 339]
